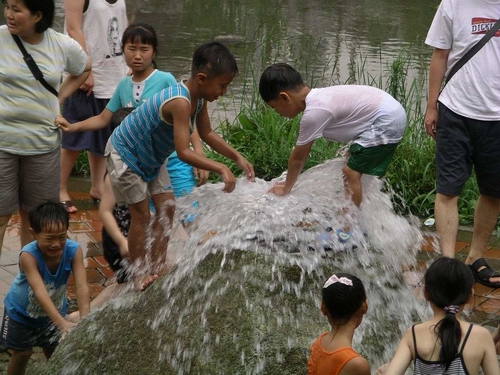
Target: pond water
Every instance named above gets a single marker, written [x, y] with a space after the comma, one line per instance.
[328, 41]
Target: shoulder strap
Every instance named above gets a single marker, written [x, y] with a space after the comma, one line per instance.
[475, 49]
[465, 338]
[34, 69]
[414, 339]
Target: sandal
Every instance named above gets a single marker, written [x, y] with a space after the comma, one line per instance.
[483, 273]
[70, 207]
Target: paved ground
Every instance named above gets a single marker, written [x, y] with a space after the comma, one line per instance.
[85, 228]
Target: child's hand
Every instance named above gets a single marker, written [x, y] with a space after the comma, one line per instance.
[63, 124]
[229, 180]
[123, 249]
[246, 167]
[201, 176]
[381, 370]
[65, 327]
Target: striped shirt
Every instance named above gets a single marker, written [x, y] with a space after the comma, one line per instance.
[457, 366]
[27, 109]
[144, 140]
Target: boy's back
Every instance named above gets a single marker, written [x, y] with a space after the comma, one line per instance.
[144, 140]
[342, 113]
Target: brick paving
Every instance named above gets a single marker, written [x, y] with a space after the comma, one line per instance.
[85, 228]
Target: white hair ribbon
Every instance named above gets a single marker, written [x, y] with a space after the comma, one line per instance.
[334, 279]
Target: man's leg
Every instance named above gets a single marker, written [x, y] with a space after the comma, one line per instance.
[446, 215]
[485, 219]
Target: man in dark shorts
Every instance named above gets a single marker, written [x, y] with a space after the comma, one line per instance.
[466, 124]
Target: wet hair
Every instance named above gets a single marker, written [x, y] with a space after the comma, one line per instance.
[213, 59]
[48, 214]
[119, 115]
[140, 32]
[448, 282]
[343, 301]
[277, 78]
[46, 7]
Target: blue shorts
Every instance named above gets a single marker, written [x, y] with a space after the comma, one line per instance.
[79, 107]
[20, 337]
[463, 143]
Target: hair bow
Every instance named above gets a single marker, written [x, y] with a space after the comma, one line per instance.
[334, 279]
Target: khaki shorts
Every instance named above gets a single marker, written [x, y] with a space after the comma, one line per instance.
[28, 180]
[130, 188]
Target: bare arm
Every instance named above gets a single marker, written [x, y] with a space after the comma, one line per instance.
[179, 111]
[99, 121]
[28, 265]
[82, 288]
[106, 208]
[296, 163]
[73, 17]
[72, 83]
[489, 364]
[402, 357]
[437, 70]
[200, 174]
[218, 144]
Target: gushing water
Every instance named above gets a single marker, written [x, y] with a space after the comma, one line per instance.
[246, 286]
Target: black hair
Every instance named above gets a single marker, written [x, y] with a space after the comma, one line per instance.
[48, 214]
[277, 78]
[46, 7]
[119, 115]
[343, 301]
[140, 32]
[213, 59]
[448, 282]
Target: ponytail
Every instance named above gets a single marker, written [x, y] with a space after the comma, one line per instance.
[448, 284]
[450, 334]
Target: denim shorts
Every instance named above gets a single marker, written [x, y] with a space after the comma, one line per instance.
[79, 107]
[461, 144]
[21, 337]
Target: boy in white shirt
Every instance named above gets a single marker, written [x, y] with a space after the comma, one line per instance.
[366, 116]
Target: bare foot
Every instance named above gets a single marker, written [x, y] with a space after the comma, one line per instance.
[143, 282]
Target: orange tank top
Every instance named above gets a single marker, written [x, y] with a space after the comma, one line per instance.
[322, 362]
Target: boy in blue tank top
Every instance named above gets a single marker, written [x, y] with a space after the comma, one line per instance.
[139, 147]
[36, 303]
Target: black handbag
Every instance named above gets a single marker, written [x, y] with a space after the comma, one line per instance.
[35, 70]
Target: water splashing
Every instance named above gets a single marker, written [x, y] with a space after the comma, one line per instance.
[244, 295]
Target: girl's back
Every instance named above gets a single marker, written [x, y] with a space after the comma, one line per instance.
[473, 347]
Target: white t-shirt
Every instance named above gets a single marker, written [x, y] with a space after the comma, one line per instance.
[474, 91]
[27, 109]
[103, 25]
[363, 114]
